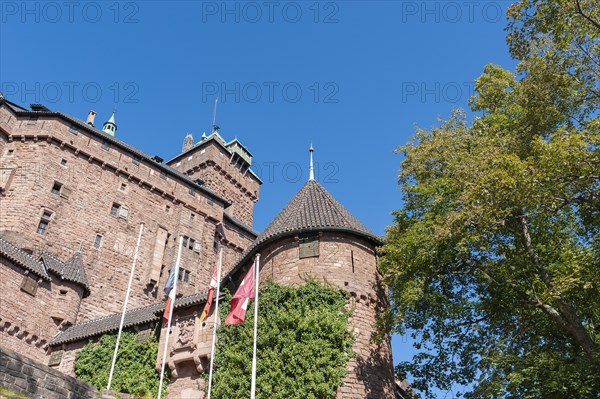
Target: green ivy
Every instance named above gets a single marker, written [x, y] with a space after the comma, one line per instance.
[135, 371]
[304, 345]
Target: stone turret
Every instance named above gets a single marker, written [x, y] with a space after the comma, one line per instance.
[188, 142]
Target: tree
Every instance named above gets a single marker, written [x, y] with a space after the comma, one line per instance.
[494, 259]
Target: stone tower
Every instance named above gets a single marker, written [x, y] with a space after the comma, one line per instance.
[314, 235]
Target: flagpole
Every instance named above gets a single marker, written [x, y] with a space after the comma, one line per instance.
[166, 344]
[135, 256]
[256, 273]
[215, 318]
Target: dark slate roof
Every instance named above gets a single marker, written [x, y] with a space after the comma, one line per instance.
[134, 317]
[23, 259]
[113, 140]
[72, 270]
[312, 209]
[241, 225]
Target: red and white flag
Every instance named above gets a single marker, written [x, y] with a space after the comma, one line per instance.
[239, 302]
[211, 292]
[173, 275]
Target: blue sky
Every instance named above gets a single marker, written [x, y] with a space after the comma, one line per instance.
[352, 77]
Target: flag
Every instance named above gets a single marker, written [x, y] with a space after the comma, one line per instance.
[239, 302]
[173, 274]
[211, 293]
[214, 281]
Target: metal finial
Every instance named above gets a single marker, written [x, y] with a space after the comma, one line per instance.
[311, 173]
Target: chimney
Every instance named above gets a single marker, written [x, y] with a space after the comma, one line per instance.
[90, 118]
[188, 142]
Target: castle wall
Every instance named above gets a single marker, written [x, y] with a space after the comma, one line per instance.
[350, 264]
[93, 176]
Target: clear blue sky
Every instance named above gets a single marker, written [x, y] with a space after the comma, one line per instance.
[353, 77]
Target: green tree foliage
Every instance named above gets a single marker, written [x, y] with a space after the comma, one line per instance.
[494, 259]
[135, 371]
[303, 345]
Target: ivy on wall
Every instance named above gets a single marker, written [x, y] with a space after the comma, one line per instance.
[135, 371]
[304, 344]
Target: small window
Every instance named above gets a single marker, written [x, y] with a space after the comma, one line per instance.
[184, 276]
[63, 162]
[62, 292]
[98, 241]
[197, 247]
[10, 152]
[73, 129]
[192, 216]
[167, 208]
[185, 241]
[163, 175]
[123, 187]
[32, 120]
[191, 244]
[210, 201]
[105, 145]
[309, 247]
[44, 221]
[29, 284]
[136, 160]
[56, 188]
[123, 212]
[192, 192]
[114, 210]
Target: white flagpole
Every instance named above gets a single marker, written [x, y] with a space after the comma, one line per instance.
[135, 256]
[216, 317]
[166, 344]
[256, 273]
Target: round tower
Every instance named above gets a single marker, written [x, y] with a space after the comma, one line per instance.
[315, 236]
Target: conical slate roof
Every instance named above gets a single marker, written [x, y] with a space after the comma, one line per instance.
[312, 209]
[72, 270]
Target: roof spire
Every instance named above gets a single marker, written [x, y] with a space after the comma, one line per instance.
[110, 126]
[311, 173]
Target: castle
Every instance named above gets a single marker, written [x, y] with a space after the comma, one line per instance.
[73, 198]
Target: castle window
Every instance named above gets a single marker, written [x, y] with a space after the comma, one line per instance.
[192, 192]
[29, 284]
[32, 120]
[62, 292]
[105, 145]
[136, 160]
[309, 246]
[163, 175]
[123, 186]
[63, 162]
[210, 201]
[56, 188]
[184, 276]
[114, 210]
[120, 211]
[73, 129]
[44, 221]
[192, 216]
[98, 241]
[10, 152]
[167, 208]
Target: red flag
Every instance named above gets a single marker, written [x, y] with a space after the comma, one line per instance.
[211, 293]
[239, 302]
